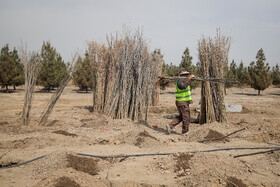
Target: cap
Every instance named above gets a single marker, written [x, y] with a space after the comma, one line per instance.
[183, 71]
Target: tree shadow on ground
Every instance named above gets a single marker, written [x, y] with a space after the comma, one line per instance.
[8, 91]
[274, 94]
[172, 93]
[158, 129]
[82, 91]
[45, 91]
[247, 94]
[89, 108]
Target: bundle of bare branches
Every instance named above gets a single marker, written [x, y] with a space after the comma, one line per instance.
[47, 111]
[124, 76]
[213, 56]
[157, 58]
[32, 66]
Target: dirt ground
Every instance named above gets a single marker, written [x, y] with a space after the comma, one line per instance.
[73, 128]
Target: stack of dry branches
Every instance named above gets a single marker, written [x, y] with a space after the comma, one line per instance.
[124, 76]
[32, 66]
[213, 55]
[158, 59]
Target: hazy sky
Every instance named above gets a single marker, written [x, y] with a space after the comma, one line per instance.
[170, 25]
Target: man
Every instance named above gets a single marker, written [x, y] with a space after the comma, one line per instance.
[183, 100]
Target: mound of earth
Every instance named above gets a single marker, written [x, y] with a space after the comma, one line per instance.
[182, 163]
[232, 182]
[66, 181]
[213, 136]
[18, 144]
[144, 139]
[83, 164]
[140, 139]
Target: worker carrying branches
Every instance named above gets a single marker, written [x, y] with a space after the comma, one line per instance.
[183, 100]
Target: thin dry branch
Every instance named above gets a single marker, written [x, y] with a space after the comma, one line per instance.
[211, 139]
[256, 153]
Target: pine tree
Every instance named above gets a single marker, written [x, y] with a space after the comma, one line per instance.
[275, 75]
[186, 63]
[53, 69]
[259, 73]
[170, 70]
[84, 74]
[8, 70]
[231, 74]
[242, 74]
[19, 78]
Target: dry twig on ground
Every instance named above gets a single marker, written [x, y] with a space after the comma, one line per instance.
[256, 153]
[211, 139]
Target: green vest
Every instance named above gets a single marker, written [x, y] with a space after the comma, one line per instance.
[183, 95]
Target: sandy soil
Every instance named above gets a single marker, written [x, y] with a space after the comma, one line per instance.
[73, 128]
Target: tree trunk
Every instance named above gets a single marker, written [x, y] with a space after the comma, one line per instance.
[6, 88]
[259, 92]
[14, 87]
[155, 95]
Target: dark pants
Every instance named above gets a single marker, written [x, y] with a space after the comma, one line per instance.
[184, 116]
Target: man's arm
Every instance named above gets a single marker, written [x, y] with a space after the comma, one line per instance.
[184, 84]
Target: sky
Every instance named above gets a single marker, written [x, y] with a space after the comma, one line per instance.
[169, 25]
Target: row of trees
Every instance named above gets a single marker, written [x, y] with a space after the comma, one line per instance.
[12, 70]
[258, 74]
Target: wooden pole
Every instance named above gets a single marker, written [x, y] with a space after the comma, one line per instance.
[256, 153]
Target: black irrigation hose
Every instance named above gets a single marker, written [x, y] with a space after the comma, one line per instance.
[23, 163]
[158, 154]
[150, 154]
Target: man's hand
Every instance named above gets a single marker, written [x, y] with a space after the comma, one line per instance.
[191, 77]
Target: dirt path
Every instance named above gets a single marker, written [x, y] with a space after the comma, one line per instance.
[73, 128]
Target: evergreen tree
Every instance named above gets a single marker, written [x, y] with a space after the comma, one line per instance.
[259, 73]
[8, 69]
[19, 78]
[84, 74]
[53, 69]
[242, 74]
[231, 74]
[186, 63]
[275, 75]
[170, 70]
